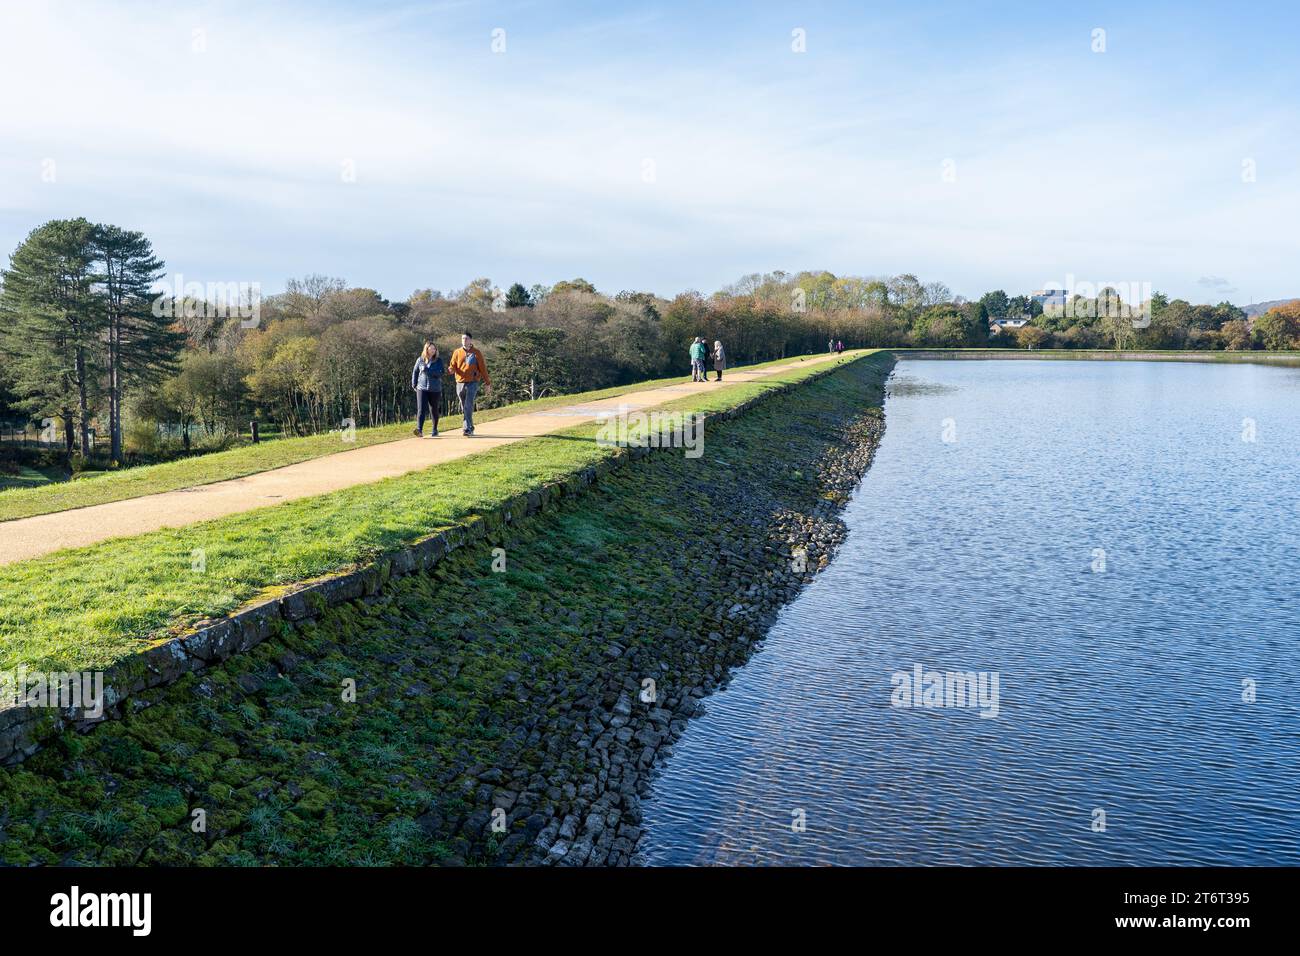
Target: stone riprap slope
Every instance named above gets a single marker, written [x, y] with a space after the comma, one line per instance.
[483, 699]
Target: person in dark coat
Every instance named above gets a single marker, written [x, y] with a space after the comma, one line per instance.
[426, 379]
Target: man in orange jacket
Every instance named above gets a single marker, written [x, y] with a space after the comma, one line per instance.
[469, 368]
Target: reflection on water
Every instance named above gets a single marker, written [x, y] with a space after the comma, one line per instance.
[1100, 537]
[903, 383]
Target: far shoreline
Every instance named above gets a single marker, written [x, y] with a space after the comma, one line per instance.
[1127, 355]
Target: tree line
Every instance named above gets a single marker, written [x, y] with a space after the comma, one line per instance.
[88, 342]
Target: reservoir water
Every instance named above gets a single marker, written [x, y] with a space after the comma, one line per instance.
[1118, 545]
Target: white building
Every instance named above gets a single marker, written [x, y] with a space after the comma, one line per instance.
[997, 325]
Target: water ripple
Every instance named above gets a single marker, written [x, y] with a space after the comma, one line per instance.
[1120, 690]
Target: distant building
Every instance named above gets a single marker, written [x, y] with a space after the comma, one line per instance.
[1050, 298]
[997, 325]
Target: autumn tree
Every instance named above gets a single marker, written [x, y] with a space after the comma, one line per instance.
[305, 298]
[943, 326]
[1279, 327]
[573, 285]
[1236, 335]
[1030, 337]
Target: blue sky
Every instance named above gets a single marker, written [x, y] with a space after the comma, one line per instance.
[666, 146]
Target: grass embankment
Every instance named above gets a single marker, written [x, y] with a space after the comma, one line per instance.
[26, 478]
[475, 690]
[1131, 355]
[25, 502]
[88, 608]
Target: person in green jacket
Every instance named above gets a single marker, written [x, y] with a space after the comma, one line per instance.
[698, 351]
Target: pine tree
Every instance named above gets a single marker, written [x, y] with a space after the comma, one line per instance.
[517, 297]
[530, 364]
[52, 325]
[142, 346]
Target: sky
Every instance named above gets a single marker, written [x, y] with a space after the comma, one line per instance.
[666, 146]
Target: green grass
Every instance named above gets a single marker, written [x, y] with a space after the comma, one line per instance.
[88, 608]
[25, 502]
[26, 478]
[290, 775]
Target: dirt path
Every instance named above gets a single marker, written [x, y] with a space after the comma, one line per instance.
[43, 534]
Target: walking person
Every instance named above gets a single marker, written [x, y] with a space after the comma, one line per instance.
[839, 347]
[697, 360]
[470, 369]
[719, 359]
[426, 379]
[830, 346]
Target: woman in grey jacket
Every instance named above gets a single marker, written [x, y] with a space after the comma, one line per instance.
[426, 379]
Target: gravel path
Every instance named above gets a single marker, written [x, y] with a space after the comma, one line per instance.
[44, 534]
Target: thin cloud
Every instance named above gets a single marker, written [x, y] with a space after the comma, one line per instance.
[661, 152]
